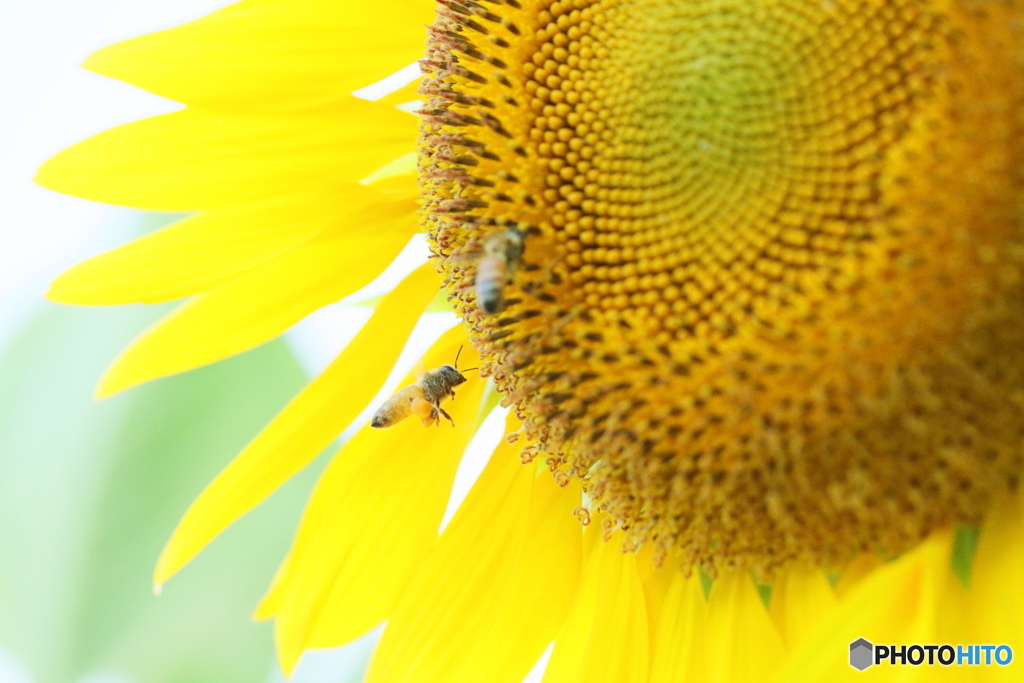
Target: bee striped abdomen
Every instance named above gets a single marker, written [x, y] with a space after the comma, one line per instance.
[491, 274]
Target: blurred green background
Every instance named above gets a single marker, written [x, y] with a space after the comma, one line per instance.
[90, 491]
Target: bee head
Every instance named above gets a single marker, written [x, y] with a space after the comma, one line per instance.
[516, 243]
[450, 375]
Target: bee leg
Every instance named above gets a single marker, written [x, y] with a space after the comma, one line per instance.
[425, 410]
[435, 416]
[446, 415]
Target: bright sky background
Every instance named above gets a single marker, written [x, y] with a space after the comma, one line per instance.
[50, 103]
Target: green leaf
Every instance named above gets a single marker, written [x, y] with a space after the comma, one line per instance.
[764, 591]
[90, 491]
[706, 582]
[965, 543]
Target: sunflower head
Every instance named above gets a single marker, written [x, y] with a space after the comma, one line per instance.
[764, 310]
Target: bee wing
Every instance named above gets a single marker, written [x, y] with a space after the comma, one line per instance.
[419, 369]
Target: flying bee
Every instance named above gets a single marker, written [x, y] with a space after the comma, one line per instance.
[502, 254]
[422, 398]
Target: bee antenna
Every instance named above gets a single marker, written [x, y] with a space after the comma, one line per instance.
[457, 353]
[468, 369]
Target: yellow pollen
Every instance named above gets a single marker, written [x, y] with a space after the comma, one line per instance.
[769, 300]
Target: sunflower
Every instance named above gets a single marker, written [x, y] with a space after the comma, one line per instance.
[747, 272]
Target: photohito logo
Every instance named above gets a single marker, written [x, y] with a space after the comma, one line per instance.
[860, 654]
[864, 654]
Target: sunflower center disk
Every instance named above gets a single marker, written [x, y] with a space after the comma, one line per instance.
[762, 309]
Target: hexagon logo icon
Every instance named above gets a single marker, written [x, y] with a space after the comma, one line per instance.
[860, 654]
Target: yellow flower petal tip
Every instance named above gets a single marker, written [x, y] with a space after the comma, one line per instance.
[111, 384]
[271, 57]
[265, 609]
[59, 292]
[164, 570]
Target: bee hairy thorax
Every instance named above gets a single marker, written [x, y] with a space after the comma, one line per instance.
[438, 384]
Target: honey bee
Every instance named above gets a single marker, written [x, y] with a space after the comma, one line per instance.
[502, 253]
[422, 398]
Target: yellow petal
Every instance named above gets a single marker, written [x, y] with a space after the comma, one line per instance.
[645, 558]
[742, 642]
[257, 306]
[856, 571]
[305, 427]
[200, 159]
[266, 54]
[196, 254]
[680, 639]
[460, 585]
[495, 591]
[541, 594]
[370, 522]
[995, 598]
[801, 598]
[604, 637]
[895, 604]
[397, 178]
